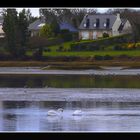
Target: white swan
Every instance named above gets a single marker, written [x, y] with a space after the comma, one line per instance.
[55, 113]
[77, 113]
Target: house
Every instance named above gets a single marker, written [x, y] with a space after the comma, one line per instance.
[37, 25]
[94, 26]
[1, 30]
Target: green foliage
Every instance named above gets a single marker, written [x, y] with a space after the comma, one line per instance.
[66, 35]
[15, 28]
[55, 27]
[105, 35]
[46, 31]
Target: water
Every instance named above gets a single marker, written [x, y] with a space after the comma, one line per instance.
[109, 99]
[105, 116]
[70, 81]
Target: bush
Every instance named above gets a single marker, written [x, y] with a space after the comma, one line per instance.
[108, 57]
[47, 50]
[102, 43]
[105, 35]
[98, 57]
[117, 47]
[60, 49]
[124, 56]
[37, 54]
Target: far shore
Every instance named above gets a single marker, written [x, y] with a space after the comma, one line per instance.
[73, 64]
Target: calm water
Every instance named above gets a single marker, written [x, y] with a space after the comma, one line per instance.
[70, 81]
[32, 116]
[97, 116]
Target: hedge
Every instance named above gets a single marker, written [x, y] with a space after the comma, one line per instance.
[100, 43]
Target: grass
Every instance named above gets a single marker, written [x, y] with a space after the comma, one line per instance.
[93, 53]
[66, 46]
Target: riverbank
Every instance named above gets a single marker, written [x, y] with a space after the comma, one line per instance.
[73, 64]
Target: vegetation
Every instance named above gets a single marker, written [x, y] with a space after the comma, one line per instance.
[15, 28]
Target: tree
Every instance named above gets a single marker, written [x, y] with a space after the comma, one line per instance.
[55, 27]
[73, 16]
[46, 31]
[16, 31]
[23, 31]
[10, 27]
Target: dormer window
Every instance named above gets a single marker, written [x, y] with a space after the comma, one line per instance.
[104, 24]
[87, 23]
[97, 22]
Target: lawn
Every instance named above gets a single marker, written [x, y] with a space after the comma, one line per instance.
[93, 53]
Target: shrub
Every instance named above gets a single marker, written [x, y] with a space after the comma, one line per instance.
[117, 47]
[37, 54]
[105, 35]
[60, 49]
[47, 50]
[124, 56]
[98, 57]
[108, 57]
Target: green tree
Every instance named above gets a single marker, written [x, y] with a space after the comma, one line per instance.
[10, 27]
[23, 31]
[55, 27]
[16, 31]
[46, 31]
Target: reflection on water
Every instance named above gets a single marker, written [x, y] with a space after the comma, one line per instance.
[71, 81]
[97, 116]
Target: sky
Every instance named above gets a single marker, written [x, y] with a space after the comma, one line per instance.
[35, 11]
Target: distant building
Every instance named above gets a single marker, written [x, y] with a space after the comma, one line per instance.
[93, 26]
[2, 34]
[37, 25]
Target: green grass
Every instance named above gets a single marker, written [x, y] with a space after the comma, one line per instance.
[88, 54]
[66, 46]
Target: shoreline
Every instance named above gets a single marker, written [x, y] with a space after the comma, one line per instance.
[73, 65]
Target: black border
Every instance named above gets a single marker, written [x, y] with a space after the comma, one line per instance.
[70, 3]
[63, 4]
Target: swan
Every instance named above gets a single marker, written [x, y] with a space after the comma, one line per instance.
[55, 113]
[77, 113]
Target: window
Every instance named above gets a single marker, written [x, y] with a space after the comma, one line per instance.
[97, 22]
[87, 23]
[107, 22]
[85, 35]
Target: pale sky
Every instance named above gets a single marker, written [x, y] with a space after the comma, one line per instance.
[35, 11]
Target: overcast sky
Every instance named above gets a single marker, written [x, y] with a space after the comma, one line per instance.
[35, 11]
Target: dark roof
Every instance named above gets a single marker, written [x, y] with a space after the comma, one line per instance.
[66, 25]
[36, 24]
[63, 25]
[102, 18]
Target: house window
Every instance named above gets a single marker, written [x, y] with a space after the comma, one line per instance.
[85, 35]
[87, 23]
[107, 22]
[97, 22]
[94, 24]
